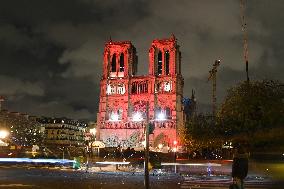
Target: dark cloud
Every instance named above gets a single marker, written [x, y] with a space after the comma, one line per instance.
[51, 51]
[13, 86]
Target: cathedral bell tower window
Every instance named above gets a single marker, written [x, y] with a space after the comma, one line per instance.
[167, 62]
[121, 63]
[113, 63]
[160, 63]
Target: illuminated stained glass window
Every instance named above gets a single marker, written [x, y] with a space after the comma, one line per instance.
[120, 89]
[111, 89]
[167, 86]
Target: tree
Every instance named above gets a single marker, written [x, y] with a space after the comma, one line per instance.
[23, 131]
[252, 107]
[201, 132]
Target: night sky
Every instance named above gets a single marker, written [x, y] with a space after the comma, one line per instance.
[51, 50]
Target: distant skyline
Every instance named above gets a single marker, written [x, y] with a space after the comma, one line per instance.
[51, 51]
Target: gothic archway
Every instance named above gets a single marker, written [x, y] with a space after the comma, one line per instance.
[160, 139]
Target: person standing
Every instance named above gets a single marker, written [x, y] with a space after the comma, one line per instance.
[240, 166]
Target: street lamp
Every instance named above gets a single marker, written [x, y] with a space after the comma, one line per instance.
[93, 131]
[160, 146]
[161, 116]
[146, 170]
[137, 117]
[3, 134]
[175, 154]
[114, 117]
[175, 142]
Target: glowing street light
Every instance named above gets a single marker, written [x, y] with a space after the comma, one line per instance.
[137, 117]
[161, 116]
[144, 143]
[175, 142]
[114, 117]
[93, 131]
[3, 134]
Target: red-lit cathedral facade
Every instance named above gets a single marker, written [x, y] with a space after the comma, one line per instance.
[125, 98]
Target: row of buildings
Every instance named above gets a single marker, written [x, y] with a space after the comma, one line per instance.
[25, 130]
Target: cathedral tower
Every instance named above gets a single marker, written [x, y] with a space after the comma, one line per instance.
[125, 98]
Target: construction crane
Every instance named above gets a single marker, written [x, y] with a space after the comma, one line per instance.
[245, 35]
[212, 76]
[1, 101]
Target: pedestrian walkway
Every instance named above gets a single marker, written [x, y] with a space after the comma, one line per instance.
[21, 166]
[222, 182]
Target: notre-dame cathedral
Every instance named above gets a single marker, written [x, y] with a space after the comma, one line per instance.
[128, 101]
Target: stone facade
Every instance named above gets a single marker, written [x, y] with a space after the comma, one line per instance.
[63, 132]
[125, 98]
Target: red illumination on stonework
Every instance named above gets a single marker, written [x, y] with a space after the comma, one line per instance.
[124, 96]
